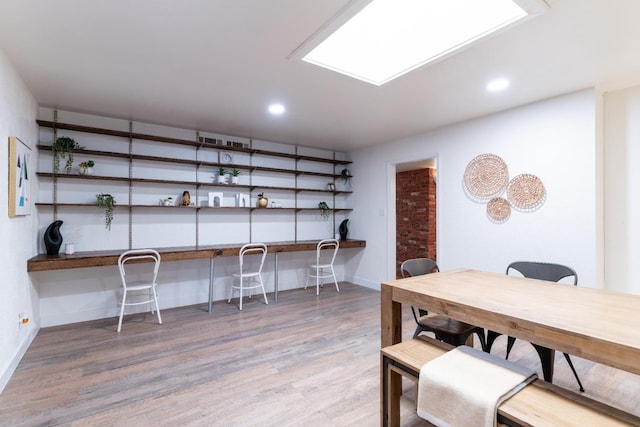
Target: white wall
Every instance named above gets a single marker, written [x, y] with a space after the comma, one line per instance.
[17, 294]
[622, 190]
[553, 139]
[68, 296]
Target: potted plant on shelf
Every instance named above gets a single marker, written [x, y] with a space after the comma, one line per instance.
[324, 210]
[222, 179]
[345, 175]
[167, 201]
[86, 168]
[107, 202]
[64, 147]
[235, 176]
[331, 186]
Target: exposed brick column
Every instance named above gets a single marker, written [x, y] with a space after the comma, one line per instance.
[415, 216]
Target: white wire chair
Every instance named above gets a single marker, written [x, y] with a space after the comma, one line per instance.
[249, 278]
[323, 267]
[141, 285]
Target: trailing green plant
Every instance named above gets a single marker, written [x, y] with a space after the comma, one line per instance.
[107, 202]
[64, 146]
[325, 211]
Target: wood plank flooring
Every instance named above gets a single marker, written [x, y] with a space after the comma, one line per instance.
[305, 360]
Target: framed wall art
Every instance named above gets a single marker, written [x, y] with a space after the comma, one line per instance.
[19, 177]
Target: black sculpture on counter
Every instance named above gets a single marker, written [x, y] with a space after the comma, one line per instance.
[343, 230]
[53, 238]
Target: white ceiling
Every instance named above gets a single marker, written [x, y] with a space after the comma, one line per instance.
[214, 65]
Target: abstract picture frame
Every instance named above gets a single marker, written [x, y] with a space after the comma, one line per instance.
[19, 177]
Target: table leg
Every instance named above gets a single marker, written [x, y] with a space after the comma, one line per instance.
[391, 318]
[275, 277]
[391, 333]
[547, 358]
[210, 285]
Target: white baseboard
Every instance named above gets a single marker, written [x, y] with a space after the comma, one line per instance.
[6, 375]
[364, 282]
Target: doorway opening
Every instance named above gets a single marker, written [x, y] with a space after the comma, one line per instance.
[416, 186]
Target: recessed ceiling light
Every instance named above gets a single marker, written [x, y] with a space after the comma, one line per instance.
[276, 109]
[379, 40]
[497, 85]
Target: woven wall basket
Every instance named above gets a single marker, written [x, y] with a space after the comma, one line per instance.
[498, 209]
[526, 192]
[486, 177]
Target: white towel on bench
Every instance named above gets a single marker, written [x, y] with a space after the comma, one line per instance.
[465, 386]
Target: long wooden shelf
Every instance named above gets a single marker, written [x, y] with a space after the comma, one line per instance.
[191, 183]
[86, 205]
[44, 262]
[194, 162]
[156, 138]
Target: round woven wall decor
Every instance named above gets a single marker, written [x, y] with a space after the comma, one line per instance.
[486, 176]
[498, 209]
[526, 192]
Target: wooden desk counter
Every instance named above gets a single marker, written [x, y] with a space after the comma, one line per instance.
[44, 262]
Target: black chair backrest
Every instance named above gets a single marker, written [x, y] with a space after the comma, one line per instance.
[543, 271]
[417, 267]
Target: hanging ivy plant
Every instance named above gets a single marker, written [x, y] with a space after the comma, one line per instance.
[107, 202]
[64, 146]
[325, 211]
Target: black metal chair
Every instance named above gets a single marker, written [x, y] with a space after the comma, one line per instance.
[445, 329]
[551, 273]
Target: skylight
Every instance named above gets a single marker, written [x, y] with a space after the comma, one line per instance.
[388, 38]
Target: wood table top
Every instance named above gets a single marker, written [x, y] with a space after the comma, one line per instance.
[597, 324]
[44, 262]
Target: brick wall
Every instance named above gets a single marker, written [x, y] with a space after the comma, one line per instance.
[415, 216]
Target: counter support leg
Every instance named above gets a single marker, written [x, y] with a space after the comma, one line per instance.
[210, 285]
[275, 278]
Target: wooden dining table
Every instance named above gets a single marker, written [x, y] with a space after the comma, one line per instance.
[595, 324]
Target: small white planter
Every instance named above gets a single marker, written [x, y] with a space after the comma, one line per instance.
[222, 179]
[85, 171]
[235, 180]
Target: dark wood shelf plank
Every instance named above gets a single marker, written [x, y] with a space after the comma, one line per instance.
[157, 138]
[187, 207]
[175, 182]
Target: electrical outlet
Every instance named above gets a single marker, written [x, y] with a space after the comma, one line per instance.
[23, 319]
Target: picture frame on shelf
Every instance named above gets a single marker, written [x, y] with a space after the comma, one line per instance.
[216, 199]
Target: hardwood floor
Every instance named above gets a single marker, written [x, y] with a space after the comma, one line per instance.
[305, 360]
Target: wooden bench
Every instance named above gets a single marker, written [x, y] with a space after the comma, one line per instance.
[539, 404]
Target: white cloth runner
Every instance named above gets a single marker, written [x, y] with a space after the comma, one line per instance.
[465, 386]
